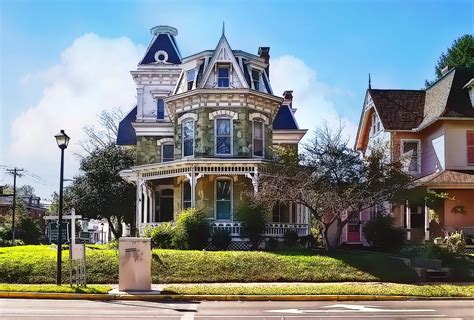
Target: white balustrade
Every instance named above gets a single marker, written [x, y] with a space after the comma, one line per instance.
[235, 228]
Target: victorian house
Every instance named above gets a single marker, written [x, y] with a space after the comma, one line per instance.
[432, 132]
[203, 127]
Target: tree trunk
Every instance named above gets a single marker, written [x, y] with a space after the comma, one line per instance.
[113, 229]
[331, 241]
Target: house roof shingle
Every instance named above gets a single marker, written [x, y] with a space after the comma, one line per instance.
[447, 177]
[399, 109]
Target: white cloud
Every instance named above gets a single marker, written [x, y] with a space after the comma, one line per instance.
[311, 97]
[93, 75]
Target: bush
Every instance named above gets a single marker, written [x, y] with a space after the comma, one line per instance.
[455, 242]
[382, 234]
[162, 236]
[290, 238]
[253, 223]
[272, 244]
[192, 230]
[221, 239]
[428, 251]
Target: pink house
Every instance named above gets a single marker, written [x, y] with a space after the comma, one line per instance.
[433, 130]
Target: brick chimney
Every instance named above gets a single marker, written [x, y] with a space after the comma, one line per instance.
[264, 52]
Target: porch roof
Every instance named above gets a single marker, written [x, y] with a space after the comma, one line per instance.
[445, 179]
[215, 166]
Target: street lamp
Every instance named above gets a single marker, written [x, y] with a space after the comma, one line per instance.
[62, 139]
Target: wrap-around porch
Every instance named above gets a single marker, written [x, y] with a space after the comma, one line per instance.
[218, 187]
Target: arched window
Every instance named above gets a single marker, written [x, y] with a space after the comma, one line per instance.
[258, 138]
[188, 137]
[223, 136]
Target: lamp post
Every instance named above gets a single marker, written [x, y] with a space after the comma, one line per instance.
[62, 140]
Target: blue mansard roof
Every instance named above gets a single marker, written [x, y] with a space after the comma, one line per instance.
[164, 42]
[284, 119]
[126, 133]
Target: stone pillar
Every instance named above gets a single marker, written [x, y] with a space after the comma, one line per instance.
[408, 217]
[427, 223]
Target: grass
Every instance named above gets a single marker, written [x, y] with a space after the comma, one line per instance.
[53, 288]
[387, 289]
[36, 264]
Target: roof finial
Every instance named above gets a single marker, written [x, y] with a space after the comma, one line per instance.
[223, 27]
[370, 85]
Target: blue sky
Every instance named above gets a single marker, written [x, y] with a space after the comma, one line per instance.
[339, 43]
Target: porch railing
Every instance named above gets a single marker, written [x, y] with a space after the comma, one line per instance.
[235, 228]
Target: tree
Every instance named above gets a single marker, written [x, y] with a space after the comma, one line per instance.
[332, 180]
[460, 54]
[99, 191]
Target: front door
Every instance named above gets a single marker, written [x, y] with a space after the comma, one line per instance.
[353, 230]
[166, 205]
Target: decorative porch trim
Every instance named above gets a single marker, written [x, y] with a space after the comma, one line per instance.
[227, 113]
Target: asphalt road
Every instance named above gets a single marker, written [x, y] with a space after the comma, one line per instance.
[80, 309]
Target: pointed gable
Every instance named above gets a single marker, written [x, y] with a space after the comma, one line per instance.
[223, 55]
[163, 47]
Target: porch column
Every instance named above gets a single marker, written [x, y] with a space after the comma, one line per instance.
[408, 217]
[254, 177]
[145, 204]
[153, 205]
[427, 223]
[138, 209]
[193, 178]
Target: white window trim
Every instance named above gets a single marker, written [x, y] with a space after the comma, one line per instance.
[253, 80]
[193, 80]
[253, 138]
[162, 153]
[182, 194]
[418, 141]
[231, 136]
[231, 218]
[182, 137]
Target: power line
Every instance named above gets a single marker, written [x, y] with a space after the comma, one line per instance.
[14, 172]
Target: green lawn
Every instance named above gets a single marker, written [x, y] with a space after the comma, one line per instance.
[386, 289]
[36, 264]
[53, 288]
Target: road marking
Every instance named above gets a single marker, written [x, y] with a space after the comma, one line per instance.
[347, 308]
[188, 316]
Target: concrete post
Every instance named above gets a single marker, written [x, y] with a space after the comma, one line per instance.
[427, 223]
[408, 215]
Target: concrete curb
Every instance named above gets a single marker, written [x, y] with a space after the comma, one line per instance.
[173, 297]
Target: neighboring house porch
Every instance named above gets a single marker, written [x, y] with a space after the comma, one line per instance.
[219, 187]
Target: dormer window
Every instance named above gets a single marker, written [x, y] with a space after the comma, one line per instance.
[191, 77]
[223, 76]
[256, 79]
[160, 109]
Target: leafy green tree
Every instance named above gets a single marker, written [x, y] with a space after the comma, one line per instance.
[460, 54]
[99, 192]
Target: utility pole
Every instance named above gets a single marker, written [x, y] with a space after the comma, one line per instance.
[14, 172]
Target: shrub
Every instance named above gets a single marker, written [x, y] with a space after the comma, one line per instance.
[382, 234]
[162, 236]
[290, 238]
[428, 250]
[272, 244]
[253, 222]
[221, 239]
[455, 242]
[192, 230]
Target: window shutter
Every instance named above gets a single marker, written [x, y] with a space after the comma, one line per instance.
[470, 147]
